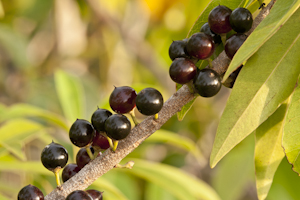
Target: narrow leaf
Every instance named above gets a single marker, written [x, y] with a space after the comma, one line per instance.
[266, 80]
[111, 191]
[279, 14]
[268, 150]
[33, 167]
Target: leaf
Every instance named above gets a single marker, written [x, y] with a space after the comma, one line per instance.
[181, 185]
[262, 85]
[153, 191]
[279, 14]
[70, 94]
[25, 110]
[268, 150]
[291, 131]
[181, 114]
[32, 167]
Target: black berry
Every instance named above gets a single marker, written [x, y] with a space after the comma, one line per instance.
[54, 157]
[206, 29]
[218, 19]
[81, 133]
[232, 77]
[122, 99]
[182, 70]
[69, 171]
[100, 141]
[30, 192]
[233, 43]
[83, 158]
[79, 195]
[149, 101]
[200, 45]
[99, 117]
[177, 49]
[95, 194]
[241, 20]
[117, 127]
[207, 83]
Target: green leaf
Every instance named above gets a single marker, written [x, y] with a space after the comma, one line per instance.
[33, 167]
[70, 94]
[185, 109]
[279, 14]
[153, 191]
[111, 192]
[181, 185]
[268, 150]
[291, 131]
[262, 85]
[25, 110]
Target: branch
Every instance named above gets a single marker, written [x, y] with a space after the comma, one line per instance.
[102, 164]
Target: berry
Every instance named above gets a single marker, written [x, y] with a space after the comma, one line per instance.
[99, 117]
[232, 77]
[81, 133]
[149, 101]
[177, 49]
[182, 70]
[95, 194]
[233, 43]
[100, 141]
[218, 19]
[207, 83]
[69, 171]
[83, 158]
[79, 195]
[122, 99]
[241, 20]
[206, 29]
[54, 157]
[200, 45]
[117, 127]
[30, 192]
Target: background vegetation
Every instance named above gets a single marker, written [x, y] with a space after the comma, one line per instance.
[59, 61]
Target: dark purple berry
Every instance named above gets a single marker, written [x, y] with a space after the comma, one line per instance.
[79, 195]
[98, 119]
[100, 141]
[83, 158]
[69, 171]
[122, 99]
[117, 127]
[30, 192]
[182, 70]
[149, 101]
[232, 77]
[241, 20]
[177, 49]
[81, 133]
[206, 29]
[207, 83]
[233, 43]
[218, 19]
[95, 194]
[200, 45]
[54, 156]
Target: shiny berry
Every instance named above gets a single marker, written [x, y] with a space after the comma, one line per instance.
[241, 20]
[95, 194]
[122, 99]
[83, 158]
[232, 77]
[30, 192]
[177, 49]
[81, 133]
[69, 171]
[99, 117]
[100, 141]
[218, 19]
[149, 101]
[207, 83]
[233, 43]
[200, 45]
[54, 156]
[117, 127]
[206, 29]
[79, 195]
[182, 70]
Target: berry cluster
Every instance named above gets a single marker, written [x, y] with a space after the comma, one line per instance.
[103, 132]
[201, 46]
